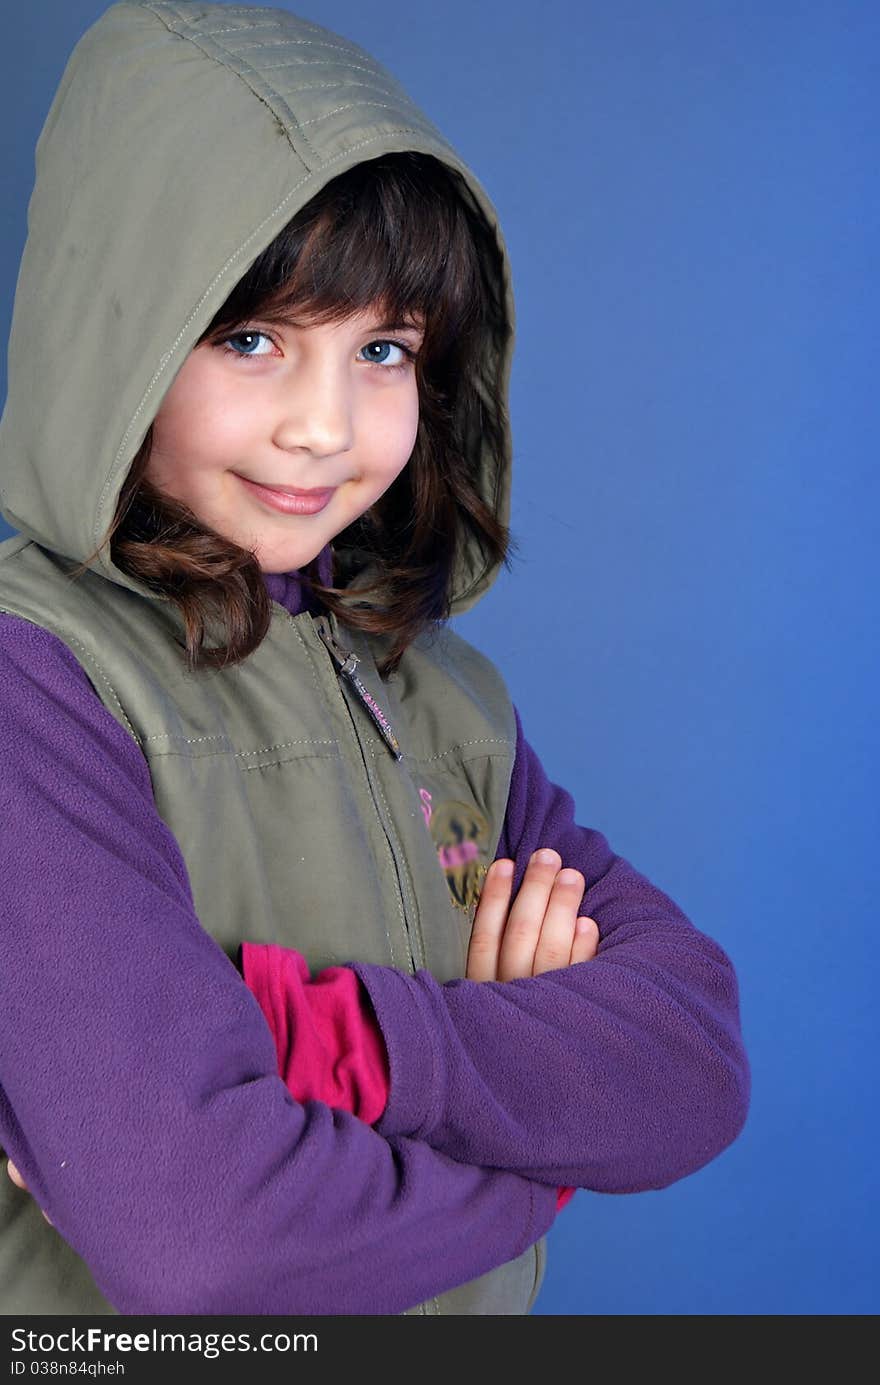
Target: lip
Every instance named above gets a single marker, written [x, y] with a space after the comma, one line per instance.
[288, 499]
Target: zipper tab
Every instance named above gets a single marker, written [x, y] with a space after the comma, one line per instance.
[347, 663]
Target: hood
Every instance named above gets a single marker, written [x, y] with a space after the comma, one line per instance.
[134, 240]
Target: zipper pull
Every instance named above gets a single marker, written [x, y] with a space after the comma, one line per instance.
[347, 663]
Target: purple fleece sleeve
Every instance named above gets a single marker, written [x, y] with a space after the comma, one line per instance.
[139, 1091]
[619, 1074]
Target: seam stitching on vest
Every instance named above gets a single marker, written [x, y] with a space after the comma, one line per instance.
[403, 866]
[67, 638]
[462, 745]
[199, 740]
[190, 740]
[261, 764]
[310, 656]
[109, 685]
[290, 760]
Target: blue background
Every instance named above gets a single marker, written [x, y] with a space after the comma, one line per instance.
[689, 193]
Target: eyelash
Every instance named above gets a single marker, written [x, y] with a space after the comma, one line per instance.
[408, 351]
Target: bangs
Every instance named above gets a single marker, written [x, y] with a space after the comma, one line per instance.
[393, 234]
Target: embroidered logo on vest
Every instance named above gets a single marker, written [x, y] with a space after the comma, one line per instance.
[460, 833]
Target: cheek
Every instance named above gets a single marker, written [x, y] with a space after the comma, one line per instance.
[414, 422]
[387, 433]
[196, 407]
[407, 426]
[195, 434]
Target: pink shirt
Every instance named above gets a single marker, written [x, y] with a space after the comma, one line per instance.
[327, 1038]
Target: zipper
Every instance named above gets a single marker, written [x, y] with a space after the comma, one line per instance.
[347, 663]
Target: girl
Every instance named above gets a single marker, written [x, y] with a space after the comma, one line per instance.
[256, 447]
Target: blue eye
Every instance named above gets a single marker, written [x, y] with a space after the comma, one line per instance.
[408, 354]
[249, 333]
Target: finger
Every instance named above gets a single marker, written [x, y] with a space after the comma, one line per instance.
[526, 917]
[16, 1176]
[20, 1183]
[558, 931]
[489, 920]
[586, 941]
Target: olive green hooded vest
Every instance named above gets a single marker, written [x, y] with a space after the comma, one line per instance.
[302, 818]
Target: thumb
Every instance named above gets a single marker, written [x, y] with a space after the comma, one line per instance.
[20, 1183]
[15, 1176]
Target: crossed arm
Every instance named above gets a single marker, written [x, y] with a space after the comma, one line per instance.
[620, 1074]
[326, 1036]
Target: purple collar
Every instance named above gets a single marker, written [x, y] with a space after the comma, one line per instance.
[286, 587]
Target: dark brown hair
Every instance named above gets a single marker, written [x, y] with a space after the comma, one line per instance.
[395, 233]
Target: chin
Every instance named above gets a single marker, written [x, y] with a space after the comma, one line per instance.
[275, 563]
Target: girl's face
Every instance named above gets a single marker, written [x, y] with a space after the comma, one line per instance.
[332, 407]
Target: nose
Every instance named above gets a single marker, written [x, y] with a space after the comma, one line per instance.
[316, 414]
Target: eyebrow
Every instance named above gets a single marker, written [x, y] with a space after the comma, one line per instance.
[399, 327]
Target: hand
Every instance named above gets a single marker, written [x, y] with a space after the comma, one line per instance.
[540, 932]
[19, 1182]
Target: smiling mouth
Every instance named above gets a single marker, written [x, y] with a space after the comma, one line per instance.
[293, 490]
[288, 499]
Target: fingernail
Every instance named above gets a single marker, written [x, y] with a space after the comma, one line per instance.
[546, 856]
[502, 869]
